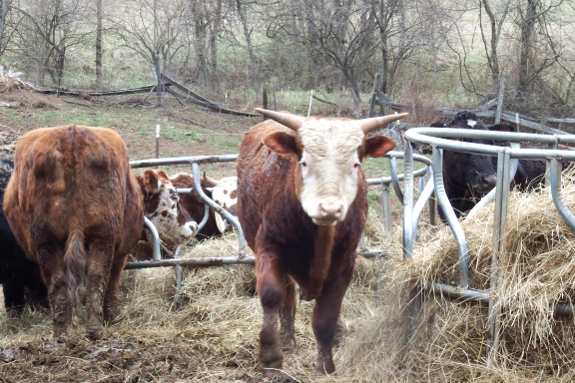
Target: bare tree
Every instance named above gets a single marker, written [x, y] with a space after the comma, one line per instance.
[151, 27]
[47, 29]
[491, 44]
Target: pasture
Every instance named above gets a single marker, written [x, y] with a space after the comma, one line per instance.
[211, 336]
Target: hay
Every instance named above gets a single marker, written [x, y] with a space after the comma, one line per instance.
[211, 336]
[450, 343]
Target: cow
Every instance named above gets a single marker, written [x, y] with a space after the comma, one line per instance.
[76, 209]
[20, 277]
[302, 206]
[222, 191]
[468, 177]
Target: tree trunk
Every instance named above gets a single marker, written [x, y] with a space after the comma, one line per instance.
[527, 27]
[253, 58]
[3, 12]
[99, 43]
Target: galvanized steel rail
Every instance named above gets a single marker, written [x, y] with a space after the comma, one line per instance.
[442, 139]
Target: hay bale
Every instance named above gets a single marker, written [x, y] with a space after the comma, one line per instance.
[451, 339]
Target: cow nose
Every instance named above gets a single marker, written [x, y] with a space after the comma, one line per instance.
[330, 210]
[487, 182]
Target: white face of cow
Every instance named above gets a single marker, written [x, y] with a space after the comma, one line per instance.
[329, 168]
[329, 159]
[162, 207]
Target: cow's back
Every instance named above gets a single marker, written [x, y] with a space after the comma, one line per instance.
[70, 176]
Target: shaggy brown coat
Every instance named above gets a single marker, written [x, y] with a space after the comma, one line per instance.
[76, 209]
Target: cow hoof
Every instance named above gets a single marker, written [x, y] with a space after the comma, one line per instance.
[325, 366]
[270, 360]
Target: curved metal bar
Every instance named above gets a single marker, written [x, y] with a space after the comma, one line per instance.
[431, 199]
[156, 253]
[394, 178]
[420, 204]
[205, 219]
[376, 181]
[183, 160]
[231, 219]
[435, 137]
[408, 235]
[567, 216]
[489, 197]
[451, 218]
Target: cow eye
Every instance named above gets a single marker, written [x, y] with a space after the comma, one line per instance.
[174, 195]
[303, 164]
[357, 165]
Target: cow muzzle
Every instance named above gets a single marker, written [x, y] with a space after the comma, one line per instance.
[485, 184]
[329, 213]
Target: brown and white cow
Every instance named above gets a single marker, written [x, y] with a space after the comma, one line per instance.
[76, 209]
[302, 203]
[222, 191]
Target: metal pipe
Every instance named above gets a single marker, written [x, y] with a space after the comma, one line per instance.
[386, 207]
[408, 235]
[452, 220]
[192, 262]
[421, 202]
[205, 218]
[223, 212]
[183, 160]
[179, 277]
[431, 200]
[156, 253]
[395, 179]
[481, 296]
[565, 213]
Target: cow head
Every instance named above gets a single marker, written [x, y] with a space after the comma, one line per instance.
[329, 154]
[162, 207]
[471, 171]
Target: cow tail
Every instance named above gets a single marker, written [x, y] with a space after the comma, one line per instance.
[75, 260]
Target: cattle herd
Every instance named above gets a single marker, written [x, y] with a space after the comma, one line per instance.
[74, 212]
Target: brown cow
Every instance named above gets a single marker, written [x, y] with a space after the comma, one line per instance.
[302, 203]
[76, 208]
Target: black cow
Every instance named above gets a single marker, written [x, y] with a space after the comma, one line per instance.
[468, 177]
[20, 277]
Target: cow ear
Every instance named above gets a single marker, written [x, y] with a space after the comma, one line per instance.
[280, 142]
[502, 128]
[163, 174]
[437, 124]
[151, 180]
[377, 146]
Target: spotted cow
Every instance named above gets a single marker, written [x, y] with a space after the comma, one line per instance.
[302, 203]
[77, 210]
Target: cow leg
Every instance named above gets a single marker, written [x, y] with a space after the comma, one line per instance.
[111, 297]
[325, 316]
[271, 287]
[287, 316]
[60, 302]
[98, 274]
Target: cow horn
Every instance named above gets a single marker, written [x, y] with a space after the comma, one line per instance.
[370, 124]
[210, 180]
[288, 120]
